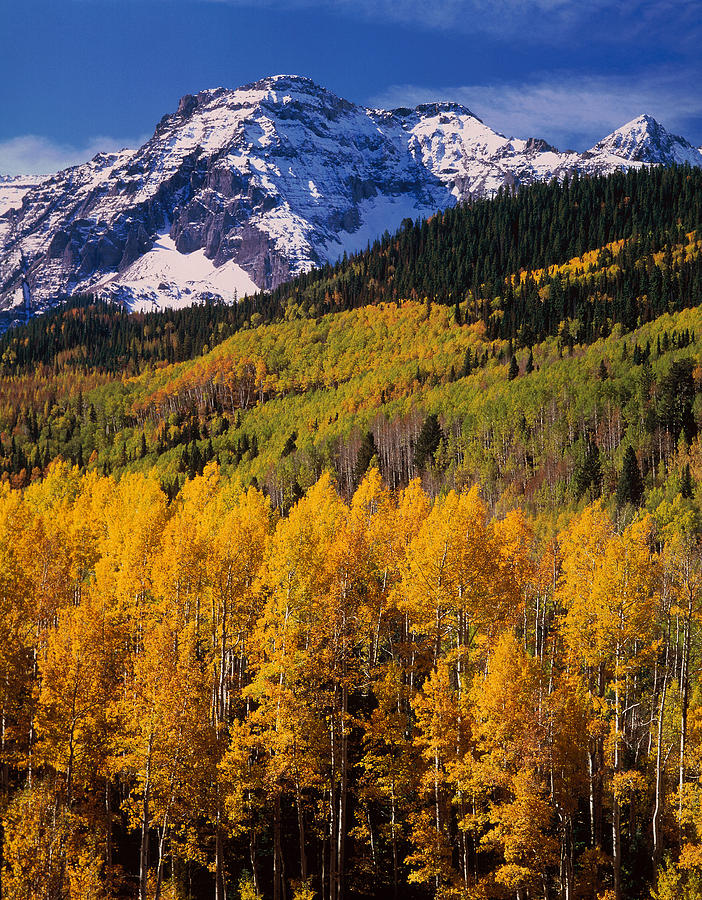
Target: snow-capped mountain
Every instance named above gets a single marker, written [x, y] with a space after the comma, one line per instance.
[240, 189]
[646, 141]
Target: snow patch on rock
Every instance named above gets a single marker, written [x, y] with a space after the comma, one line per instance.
[163, 277]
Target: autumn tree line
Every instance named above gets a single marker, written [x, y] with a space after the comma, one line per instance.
[606, 262]
[466, 257]
[385, 696]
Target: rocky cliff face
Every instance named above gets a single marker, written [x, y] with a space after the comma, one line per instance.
[241, 189]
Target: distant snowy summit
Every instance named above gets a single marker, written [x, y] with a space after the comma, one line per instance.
[646, 141]
[241, 189]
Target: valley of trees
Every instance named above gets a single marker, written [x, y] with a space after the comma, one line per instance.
[385, 584]
[382, 697]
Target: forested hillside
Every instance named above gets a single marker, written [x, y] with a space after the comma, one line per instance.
[469, 255]
[417, 384]
[386, 584]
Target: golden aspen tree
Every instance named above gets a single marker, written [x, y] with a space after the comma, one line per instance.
[390, 779]
[454, 582]
[404, 646]
[441, 744]
[682, 583]
[38, 835]
[17, 642]
[78, 678]
[683, 558]
[180, 562]
[567, 713]
[165, 743]
[236, 531]
[134, 515]
[609, 589]
[512, 755]
[372, 526]
[295, 649]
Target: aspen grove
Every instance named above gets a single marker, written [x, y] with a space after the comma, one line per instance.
[386, 696]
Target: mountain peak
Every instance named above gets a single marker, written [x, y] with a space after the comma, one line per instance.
[281, 84]
[242, 188]
[645, 140]
[284, 79]
[644, 119]
[438, 107]
[252, 93]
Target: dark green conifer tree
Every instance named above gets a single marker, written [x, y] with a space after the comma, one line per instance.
[467, 364]
[588, 472]
[686, 486]
[428, 442]
[366, 452]
[630, 486]
[290, 445]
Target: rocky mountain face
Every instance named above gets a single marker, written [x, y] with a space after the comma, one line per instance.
[240, 189]
[12, 190]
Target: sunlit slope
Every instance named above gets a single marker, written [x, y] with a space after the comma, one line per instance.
[280, 403]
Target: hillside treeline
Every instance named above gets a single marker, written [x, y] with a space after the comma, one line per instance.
[468, 255]
[390, 696]
[89, 335]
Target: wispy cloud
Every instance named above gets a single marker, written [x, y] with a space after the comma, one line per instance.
[499, 16]
[566, 109]
[37, 155]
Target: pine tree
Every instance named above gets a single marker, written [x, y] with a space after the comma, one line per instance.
[467, 364]
[588, 474]
[428, 442]
[513, 369]
[630, 487]
[366, 452]
[290, 445]
[686, 486]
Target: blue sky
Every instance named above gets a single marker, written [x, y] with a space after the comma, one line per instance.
[77, 76]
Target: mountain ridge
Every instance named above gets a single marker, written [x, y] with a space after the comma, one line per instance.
[269, 180]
